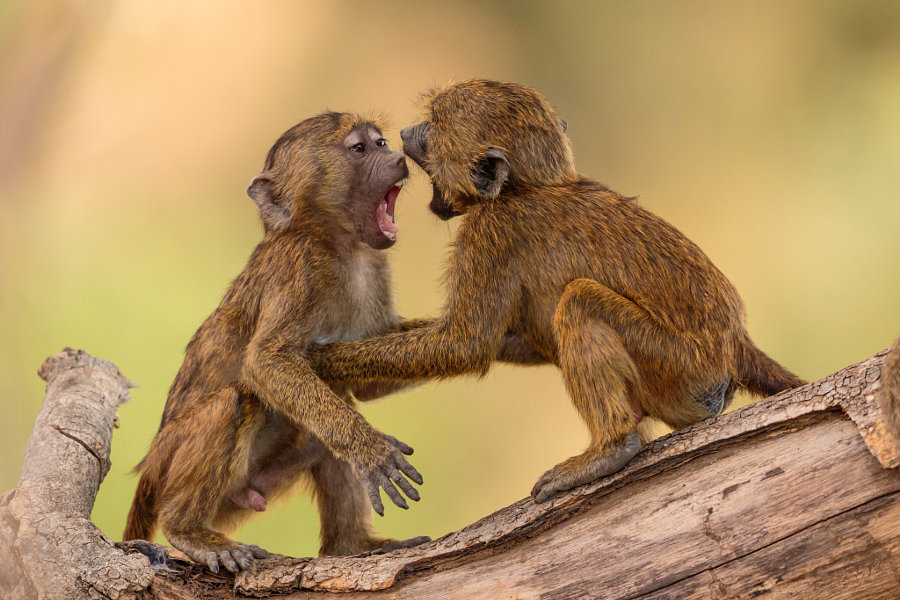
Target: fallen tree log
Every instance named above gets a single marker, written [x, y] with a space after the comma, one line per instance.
[795, 496]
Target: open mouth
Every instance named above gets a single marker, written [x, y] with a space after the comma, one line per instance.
[384, 213]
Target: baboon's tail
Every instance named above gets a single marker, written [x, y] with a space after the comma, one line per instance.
[142, 516]
[760, 374]
[890, 388]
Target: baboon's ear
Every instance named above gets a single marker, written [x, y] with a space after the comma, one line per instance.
[273, 208]
[491, 172]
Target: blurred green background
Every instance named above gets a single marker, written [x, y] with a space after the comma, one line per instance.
[768, 132]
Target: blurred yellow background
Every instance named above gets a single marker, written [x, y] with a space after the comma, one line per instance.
[768, 132]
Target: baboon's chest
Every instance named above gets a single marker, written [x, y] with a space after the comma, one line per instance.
[361, 305]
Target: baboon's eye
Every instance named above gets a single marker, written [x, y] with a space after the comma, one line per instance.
[360, 147]
[382, 143]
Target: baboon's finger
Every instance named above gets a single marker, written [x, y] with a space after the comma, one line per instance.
[404, 485]
[374, 496]
[392, 492]
[408, 469]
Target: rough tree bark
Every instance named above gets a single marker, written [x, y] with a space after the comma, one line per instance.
[48, 545]
[796, 496]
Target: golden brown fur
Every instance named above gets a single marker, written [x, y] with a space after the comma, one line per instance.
[246, 416]
[561, 269]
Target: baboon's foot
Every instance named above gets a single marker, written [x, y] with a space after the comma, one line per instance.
[389, 545]
[368, 545]
[585, 468]
[214, 550]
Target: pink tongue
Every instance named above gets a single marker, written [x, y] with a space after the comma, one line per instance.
[385, 213]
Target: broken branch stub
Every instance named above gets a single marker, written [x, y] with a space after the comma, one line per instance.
[49, 547]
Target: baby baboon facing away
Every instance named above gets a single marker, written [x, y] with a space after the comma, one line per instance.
[637, 318]
[246, 416]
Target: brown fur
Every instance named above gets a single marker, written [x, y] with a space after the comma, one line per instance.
[634, 314]
[246, 416]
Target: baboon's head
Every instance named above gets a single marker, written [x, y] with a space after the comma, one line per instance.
[480, 136]
[335, 168]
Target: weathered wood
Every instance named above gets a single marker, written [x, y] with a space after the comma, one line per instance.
[49, 547]
[788, 497]
[852, 555]
[702, 517]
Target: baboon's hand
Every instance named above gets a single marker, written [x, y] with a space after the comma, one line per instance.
[386, 466]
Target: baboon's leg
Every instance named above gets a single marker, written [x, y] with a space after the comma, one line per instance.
[604, 384]
[687, 384]
[195, 489]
